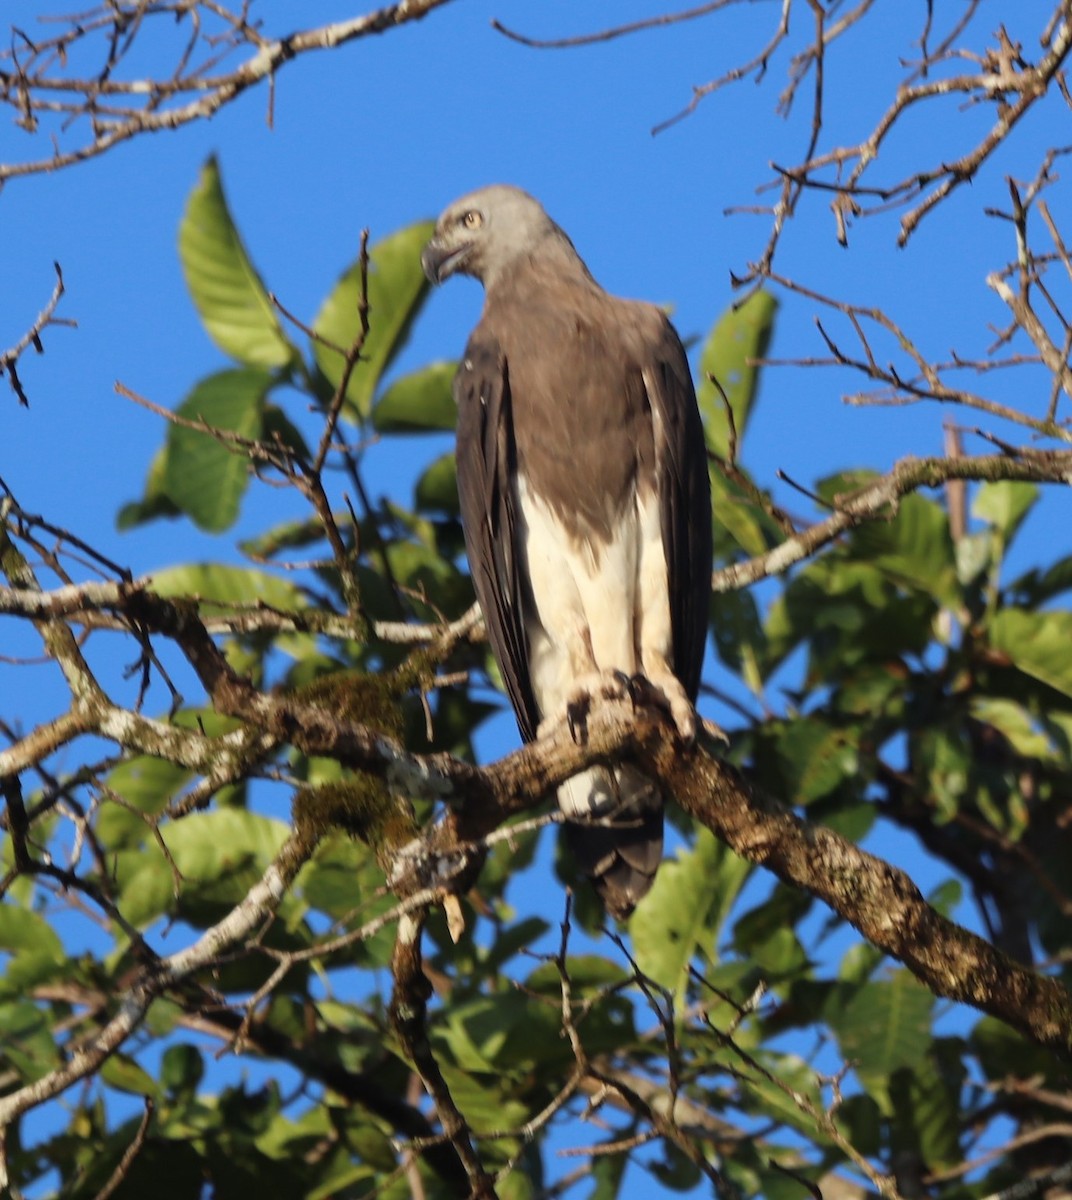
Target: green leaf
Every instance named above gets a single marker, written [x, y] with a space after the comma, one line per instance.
[155, 502]
[1004, 504]
[588, 973]
[437, 488]
[975, 554]
[422, 402]
[769, 1095]
[914, 549]
[883, 1025]
[847, 613]
[817, 757]
[738, 634]
[740, 517]
[278, 427]
[739, 335]
[1036, 643]
[758, 935]
[860, 1116]
[481, 1101]
[676, 1171]
[396, 289]
[145, 784]
[428, 574]
[475, 1032]
[146, 889]
[205, 846]
[1015, 723]
[221, 854]
[608, 1171]
[21, 929]
[27, 1040]
[1003, 1054]
[685, 909]
[942, 755]
[229, 586]
[124, 1074]
[202, 475]
[230, 298]
[1035, 587]
[373, 1147]
[926, 1106]
[946, 896]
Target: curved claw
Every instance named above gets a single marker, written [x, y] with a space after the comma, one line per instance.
[610, 685]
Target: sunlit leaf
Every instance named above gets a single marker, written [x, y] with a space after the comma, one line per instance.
[926, 1106]
[146, 888]
[739, 336]
[230, 298]
[396, 290]
[1036, 587]
[746, 524]
[481, 1102]
[685, 909]
[26, 1039]
[1015, 723]
[21, 929]
[1004, 504]
[884, 1024]
[155, 503]
[914, 548]
[124, 1074]
[1037, 643]
[204, 475]
[209, 847]
[228, 586]
[817, 757]
[437, 488]
[421, 402]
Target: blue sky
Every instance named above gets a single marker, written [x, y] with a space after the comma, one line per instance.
[390, 129]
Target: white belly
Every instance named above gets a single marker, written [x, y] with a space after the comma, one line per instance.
[599, 606]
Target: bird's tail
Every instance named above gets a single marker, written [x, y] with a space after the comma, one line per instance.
[618, 840]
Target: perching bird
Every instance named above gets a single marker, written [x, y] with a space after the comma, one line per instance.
[585, 500]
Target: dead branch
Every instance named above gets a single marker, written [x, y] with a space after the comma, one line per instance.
[32, 337]
[111, 108]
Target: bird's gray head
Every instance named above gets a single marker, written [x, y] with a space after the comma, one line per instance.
[484, 232]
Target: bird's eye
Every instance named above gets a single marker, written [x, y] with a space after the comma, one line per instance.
[472, 220]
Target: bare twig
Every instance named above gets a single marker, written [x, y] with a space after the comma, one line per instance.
[35, 82]
[32, 337]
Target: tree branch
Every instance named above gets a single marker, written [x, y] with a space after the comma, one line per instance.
[37, 93]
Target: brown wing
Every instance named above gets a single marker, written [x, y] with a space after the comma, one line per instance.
[487, 469]
[684, 489]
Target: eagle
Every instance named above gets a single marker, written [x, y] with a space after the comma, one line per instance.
[585, 504]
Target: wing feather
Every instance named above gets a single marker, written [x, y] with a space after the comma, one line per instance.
[684, 490]
[487, 471]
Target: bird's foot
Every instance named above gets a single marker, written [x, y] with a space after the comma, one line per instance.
[605, 685]
[669, 694]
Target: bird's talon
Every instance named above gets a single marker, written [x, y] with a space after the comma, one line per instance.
[632, 687]
[577, 719]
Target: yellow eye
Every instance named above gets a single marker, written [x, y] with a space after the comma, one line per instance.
[472, 220]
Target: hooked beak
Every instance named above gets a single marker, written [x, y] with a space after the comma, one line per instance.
[439, 262]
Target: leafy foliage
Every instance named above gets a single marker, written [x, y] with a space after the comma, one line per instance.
[897, 678]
